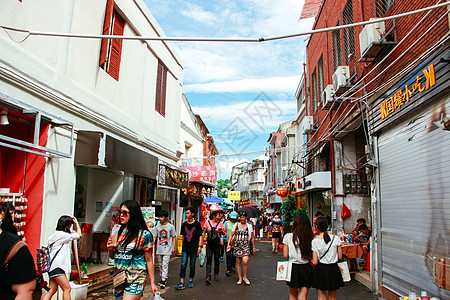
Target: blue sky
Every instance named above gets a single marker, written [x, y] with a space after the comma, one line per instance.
[242, 91]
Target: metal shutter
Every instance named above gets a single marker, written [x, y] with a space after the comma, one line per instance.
[414, 168]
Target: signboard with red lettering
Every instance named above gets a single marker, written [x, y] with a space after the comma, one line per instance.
[202, 173]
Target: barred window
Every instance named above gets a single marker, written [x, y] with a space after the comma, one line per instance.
[321, 79]
[381, 7]
[349, 33]
[314, 90]
[337, 53]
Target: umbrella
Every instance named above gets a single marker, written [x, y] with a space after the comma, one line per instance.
[215, 207]
[251, 211]
[228, 202]
[251, 204]
[213, 199]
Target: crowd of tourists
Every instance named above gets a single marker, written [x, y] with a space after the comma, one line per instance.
[313, 253]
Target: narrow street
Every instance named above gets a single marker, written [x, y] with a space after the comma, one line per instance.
[261, 275]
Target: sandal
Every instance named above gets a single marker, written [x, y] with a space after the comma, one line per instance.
[239, 282]
[247, 282]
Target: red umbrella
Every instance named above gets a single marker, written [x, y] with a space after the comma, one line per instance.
[251, 204]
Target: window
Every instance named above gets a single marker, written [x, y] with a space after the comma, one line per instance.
[161, 86]
[381, 7]
[314, 90]
[337, 53]
[320, 74]
[349, 33]
[111, 49]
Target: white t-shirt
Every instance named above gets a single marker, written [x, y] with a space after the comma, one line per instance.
[319, 246]
[295, 256]
[62, 259]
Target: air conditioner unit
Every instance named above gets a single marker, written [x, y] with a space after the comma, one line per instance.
[371, 34]
[308, 124]
[328, 96]
[340, 78]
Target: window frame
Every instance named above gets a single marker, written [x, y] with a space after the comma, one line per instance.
[337, 48]
[314, 90]
[161, 89]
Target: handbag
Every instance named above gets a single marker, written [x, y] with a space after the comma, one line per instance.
[119, 278]
[201, 257]
[284, 270]
[343, 266]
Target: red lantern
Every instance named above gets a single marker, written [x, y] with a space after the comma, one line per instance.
[282, 192]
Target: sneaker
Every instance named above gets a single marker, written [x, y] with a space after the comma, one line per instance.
[216, 277]
[162, 284]
[180, 286]
[191, 284]
[208, 280]
[229, 273]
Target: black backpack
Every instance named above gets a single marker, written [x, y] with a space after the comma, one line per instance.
[213, 238]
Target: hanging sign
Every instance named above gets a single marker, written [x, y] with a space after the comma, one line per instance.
[149, 216]
[172, 177]
[234, 195]
[403, 96]
[202, 173]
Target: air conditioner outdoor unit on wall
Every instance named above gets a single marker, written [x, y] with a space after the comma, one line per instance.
[328, 96]
[371, 34]
[308, 124]
[340, 78]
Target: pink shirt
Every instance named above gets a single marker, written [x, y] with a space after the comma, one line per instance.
[208, 228]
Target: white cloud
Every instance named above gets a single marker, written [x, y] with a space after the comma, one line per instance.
[259, 116]
[273, 84]
[224, 166]
[198, 14]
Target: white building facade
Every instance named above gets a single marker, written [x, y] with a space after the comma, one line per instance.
[111, 107]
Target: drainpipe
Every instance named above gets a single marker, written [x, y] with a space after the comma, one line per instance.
[333, 170]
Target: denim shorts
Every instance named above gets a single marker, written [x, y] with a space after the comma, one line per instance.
[56, 272]
[130, 288]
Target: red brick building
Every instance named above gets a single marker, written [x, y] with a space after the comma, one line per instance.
[379, 97]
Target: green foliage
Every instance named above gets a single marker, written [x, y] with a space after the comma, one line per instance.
[289, 211]
[222, 187]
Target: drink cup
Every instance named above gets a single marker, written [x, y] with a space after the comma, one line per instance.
[114, 233]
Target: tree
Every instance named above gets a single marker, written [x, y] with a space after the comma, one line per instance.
[222, 187]
[289, 211]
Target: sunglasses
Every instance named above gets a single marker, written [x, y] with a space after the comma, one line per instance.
[124, 212]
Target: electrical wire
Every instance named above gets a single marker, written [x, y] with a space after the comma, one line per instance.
[209, 39]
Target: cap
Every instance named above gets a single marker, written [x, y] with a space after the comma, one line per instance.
[233, 215]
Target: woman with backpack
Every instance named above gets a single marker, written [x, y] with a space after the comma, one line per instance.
[326, 253]
[241, 237]
[60, 256]
[212, 230]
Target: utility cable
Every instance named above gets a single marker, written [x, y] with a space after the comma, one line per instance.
[209, 39]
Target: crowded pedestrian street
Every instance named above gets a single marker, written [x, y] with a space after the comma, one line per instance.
[262, 272]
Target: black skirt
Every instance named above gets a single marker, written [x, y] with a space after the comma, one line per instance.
[301, 276]
[327, 277]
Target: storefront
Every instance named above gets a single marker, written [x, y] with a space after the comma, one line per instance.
[108, 172]
[27, 142]
[412, 137]
[171, 180]
[314, 194]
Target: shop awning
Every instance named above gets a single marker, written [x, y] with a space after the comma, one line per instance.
[21, 110]
[94, 148]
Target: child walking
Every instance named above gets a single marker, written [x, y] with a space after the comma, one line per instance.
[326, 253]
[297, 247]
[164, 241]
